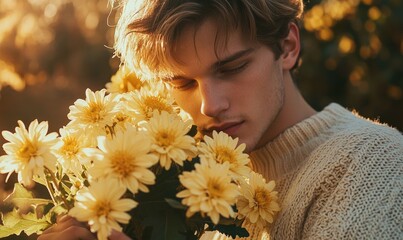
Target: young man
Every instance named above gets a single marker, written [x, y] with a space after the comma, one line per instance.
[229, 63]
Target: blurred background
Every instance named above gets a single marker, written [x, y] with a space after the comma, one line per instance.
[52, 50]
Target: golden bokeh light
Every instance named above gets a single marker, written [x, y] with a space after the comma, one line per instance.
[365, 52]
[375, 44]
[346, 44]
[27, 27]
[374, 13]
[328, 13]
[395, 92]
[367, 2]
[370, 26]
[50, 10]
[325, 34]
[356, 76]
[9, 77]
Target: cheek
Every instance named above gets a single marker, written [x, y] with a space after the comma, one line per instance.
[187, 102]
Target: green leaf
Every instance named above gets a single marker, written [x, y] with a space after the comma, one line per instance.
[30, 201]
[193, 131]
[175, 204]
[39, 180]
[164, 223]
[52, 213]
[19, 192]
[231, 230]
[160, 215]
[21, 197]
[15, 223]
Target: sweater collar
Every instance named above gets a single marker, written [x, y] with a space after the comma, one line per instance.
[288, 150]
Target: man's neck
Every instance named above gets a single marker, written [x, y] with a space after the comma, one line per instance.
[295, 109]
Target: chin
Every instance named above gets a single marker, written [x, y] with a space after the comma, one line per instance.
[249, 146]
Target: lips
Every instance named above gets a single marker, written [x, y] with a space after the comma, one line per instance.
[229, 128]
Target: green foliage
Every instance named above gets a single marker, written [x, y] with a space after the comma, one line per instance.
[21, 197]
[30, 215]
[369, 77]
[161, 216]
[15, 223]
[156, 216]
[231, 230]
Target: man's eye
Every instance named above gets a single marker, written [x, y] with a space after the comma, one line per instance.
[182, 84]
[234, 70]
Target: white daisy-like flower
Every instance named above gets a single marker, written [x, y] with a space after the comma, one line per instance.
[258, 202]
[28, 151]
[147, 100]
[71, 151]
[124, 81]
[77, 183]
[209, 190]
[127, 158]
[170, 142]
[121, 119]
[222, 148]
[102, 207]
[93, 114]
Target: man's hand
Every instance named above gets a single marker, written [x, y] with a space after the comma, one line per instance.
[68, 228]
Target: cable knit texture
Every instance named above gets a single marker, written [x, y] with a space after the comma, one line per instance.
[339, 176]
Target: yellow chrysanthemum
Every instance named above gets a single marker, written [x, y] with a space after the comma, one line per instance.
[170, 141]
[124, 81]
[146, 101]
[93, 113]
[77, 183]
[209, 190]
[121, 119]
[28, 151]
[222, 148]
[71, 151]
[258, 202]
[126, 158]
[100, 205]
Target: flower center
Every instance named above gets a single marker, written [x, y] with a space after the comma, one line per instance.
[70, 146]
[262, 197]
[130, 79]
[103, 208]
[121, 117]
[95, 112]
[214, 188]
[122, 163]
[164, 139]
[27, 151]
[224, 154]
[152, 103]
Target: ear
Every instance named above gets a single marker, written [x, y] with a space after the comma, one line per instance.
[291, 47]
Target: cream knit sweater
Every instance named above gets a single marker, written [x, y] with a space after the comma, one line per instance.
[339, 176]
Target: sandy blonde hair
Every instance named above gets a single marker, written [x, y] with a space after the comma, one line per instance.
[147, 30]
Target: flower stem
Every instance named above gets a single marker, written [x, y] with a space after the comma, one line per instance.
[50, 189]
[55, 185]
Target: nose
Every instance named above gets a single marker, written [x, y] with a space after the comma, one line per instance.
[213, 99]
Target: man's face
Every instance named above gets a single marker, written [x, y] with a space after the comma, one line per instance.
[237, 89]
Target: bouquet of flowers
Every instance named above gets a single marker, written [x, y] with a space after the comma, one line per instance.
[131, 160]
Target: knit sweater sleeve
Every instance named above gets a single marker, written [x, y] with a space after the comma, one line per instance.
[367, 200]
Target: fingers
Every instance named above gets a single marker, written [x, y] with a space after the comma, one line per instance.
[62, 218]
[71, 233]
[67, 228]
[64, 223]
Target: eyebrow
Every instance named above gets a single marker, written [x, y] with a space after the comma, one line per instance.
[219, 63]
[232, 57]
